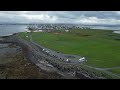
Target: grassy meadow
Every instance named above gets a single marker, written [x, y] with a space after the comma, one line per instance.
[100, 47]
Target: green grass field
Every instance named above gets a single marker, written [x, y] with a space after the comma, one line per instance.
[117, 71]
[100, 47]
[23, 35]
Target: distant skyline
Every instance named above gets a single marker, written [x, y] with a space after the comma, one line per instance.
[75, 17]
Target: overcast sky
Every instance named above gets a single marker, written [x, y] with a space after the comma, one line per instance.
[80, 17]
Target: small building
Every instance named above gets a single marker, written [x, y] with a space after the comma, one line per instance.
[66, 30]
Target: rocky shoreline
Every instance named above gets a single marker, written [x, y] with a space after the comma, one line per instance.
[14, 65]
[49, 64]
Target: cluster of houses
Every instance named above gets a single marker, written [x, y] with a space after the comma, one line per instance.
[53, 27]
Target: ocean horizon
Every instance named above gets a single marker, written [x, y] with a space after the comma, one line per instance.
[6, 30]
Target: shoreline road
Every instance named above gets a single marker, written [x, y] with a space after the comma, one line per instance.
[75, 59]
[72, 59]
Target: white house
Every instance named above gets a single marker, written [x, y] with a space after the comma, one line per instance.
[66, 30]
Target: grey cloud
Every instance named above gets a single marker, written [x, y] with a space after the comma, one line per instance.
[99, 17]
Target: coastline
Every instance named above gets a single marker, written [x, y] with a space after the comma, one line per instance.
[14, 65]
[33, 54]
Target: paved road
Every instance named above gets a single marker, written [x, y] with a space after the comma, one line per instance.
[105, 70]
[111, 68]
